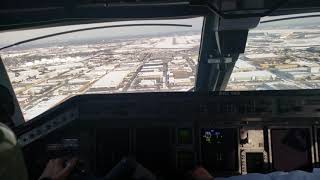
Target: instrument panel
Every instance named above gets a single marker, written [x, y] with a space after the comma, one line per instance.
[170, 133]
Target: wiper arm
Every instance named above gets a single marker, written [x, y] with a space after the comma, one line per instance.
[88, 29]
[289, 18]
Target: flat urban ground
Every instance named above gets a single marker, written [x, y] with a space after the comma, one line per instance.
[44, 77]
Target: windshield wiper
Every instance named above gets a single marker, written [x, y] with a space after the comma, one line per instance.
[88, 29]
[289, 18]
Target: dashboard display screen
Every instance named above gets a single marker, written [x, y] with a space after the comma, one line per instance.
[212, 136]
[219, 149]
[185, 136]
[291, 149]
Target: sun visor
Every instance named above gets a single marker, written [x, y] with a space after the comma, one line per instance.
[238, 24]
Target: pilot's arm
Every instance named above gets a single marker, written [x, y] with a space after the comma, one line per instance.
[12, 165]
[201, 173]
[55, 170]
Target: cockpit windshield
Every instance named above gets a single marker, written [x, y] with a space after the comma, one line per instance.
[134, 58]
[282, 53]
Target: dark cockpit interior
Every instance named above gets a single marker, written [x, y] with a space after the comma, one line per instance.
[227, 132]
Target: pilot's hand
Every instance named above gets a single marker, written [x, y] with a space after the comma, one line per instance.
[201, 173]
[55, 169]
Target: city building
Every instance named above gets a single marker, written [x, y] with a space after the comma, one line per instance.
[252, 76]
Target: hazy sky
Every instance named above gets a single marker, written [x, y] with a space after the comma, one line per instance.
[7, 38]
